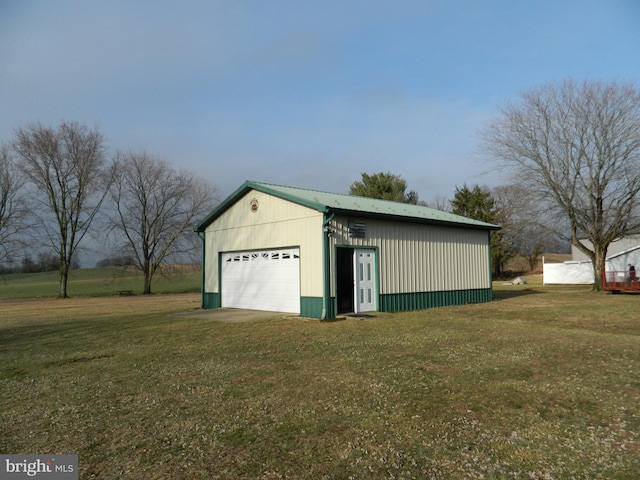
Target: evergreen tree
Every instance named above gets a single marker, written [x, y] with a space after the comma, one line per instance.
[478, 204]
[384, 186]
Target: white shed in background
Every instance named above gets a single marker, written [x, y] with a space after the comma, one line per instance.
[567, 273]
[580, 272]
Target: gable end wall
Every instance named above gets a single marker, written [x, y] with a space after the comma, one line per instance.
[276, 223]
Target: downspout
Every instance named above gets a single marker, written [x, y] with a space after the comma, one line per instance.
[326, 258]
[201, 235]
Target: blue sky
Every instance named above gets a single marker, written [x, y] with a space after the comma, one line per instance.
[302, 93]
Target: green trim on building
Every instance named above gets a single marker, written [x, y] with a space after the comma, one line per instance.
[311, 307]
[211, 300]
[424, 300]
[326, 269]
[202, 236]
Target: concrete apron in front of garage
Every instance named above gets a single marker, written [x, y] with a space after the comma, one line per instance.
[235, 315]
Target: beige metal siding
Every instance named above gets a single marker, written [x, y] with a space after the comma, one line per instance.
[423, 258]
[276, 223]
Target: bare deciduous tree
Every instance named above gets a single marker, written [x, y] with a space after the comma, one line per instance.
[523, 224]
[576, 148]
[155, 209]
[68, 169]
[439, 202]
[13, 208]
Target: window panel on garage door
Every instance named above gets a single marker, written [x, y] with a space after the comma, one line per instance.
[262, 280]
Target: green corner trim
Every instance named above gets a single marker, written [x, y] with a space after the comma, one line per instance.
[311, 307]
[211, 300]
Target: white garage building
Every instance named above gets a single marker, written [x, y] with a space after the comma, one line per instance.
[318, 254]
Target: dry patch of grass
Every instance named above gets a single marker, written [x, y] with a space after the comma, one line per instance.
[541, 383]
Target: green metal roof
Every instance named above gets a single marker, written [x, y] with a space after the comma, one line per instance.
[347, 205]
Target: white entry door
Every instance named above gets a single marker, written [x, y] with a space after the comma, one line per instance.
[263, 280]
[365, 293]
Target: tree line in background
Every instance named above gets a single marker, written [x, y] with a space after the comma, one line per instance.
[37, 263]
[572, 152]
[59, 186]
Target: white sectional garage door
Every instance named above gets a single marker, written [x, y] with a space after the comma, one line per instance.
[262, 280]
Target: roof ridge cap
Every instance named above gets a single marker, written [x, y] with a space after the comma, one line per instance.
[315, 190]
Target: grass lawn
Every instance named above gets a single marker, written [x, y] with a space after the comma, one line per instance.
[542, 383]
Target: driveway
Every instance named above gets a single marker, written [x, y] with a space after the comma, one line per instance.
[235, 315]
